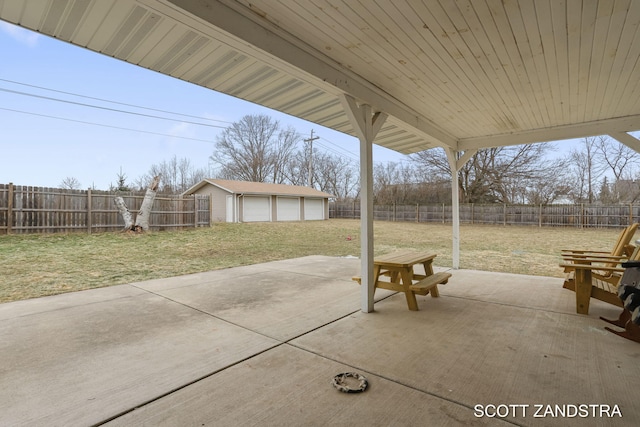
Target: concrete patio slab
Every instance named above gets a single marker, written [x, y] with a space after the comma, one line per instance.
[536, 292]
[86, 363]
[258, 345]
[478, 352]
[287, 386]
[64, 301]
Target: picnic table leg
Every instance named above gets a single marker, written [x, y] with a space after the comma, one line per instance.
[428, 271]
[376, 275]
[407, 276]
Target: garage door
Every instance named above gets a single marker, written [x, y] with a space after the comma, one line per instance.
[288, 209]
[255, 209]
[313, 209]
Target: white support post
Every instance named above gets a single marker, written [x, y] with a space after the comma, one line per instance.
[366, 124]
[452, 156]
[456, 162]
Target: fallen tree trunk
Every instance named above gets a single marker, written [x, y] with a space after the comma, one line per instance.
[142, 219]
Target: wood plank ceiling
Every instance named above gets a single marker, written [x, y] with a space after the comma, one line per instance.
[463, 74]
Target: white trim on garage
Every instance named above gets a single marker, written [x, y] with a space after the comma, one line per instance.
[256, 208]
[313, 209]
[288, 208]
[230, 208]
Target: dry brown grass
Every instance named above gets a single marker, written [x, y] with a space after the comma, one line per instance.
[38, 265]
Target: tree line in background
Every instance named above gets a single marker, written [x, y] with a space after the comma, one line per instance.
[257, 148]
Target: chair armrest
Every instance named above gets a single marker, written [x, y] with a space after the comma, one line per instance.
[595, 258]
[584, 251]
[590, 255]
[592, 267]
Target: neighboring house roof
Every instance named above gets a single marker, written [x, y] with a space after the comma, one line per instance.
[248, 187]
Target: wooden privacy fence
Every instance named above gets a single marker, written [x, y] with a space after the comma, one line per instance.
[577, 215]
[26, 209]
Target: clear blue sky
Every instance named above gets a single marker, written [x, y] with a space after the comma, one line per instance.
[44, 140]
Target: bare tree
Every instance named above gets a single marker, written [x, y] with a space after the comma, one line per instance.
[336, 175]
[621, 161]
[176, 175]
[586, 167]
[392, 182]
[618, 157]
[500, 174]
[255, 149]
[70, 183]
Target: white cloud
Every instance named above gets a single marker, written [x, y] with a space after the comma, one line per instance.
[22, 35]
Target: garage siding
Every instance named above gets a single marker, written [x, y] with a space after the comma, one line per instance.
[243, 201]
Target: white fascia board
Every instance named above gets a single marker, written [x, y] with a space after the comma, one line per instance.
[600, 127]
[626, 139]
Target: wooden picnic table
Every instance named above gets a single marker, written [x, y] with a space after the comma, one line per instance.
[399, 268]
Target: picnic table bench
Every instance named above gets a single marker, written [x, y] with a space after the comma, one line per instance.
[399, 268]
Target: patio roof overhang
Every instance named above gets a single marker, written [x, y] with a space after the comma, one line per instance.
[457, 74]
[461, 75]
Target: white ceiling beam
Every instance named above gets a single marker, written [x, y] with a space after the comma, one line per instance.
[581, 130]
[464, 159]
[250, 33]
[626, 139]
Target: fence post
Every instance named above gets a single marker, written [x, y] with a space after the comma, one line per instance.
[10, 209]
[504, 214]
[417, 212]
[443, 213]
[581, 215]
[195, 211]
[89, 213]
[540, 216]
[630, 213]
[210, 210]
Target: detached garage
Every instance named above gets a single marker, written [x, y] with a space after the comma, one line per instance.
[243, 201]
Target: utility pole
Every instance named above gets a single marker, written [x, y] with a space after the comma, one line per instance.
[310, 141]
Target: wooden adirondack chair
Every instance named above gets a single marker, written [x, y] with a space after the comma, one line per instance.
[622, 246]
[622, 250]
[596, 278]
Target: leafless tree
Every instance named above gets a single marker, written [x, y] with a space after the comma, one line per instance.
[500, 174]
[586, 169]
[70, 183]
[393, 182]
[336, 175]
[255, 149]
[176, 175]
[619, 158]
[621, 161]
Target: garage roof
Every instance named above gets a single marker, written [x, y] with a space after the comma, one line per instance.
[247, 187]
[461, 74]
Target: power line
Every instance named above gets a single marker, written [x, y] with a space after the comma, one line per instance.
[351, 154]
[103, 125]
[341, 148]
[108, 109]
[112, 102]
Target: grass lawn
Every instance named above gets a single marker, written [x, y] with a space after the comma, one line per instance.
[38, 265]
